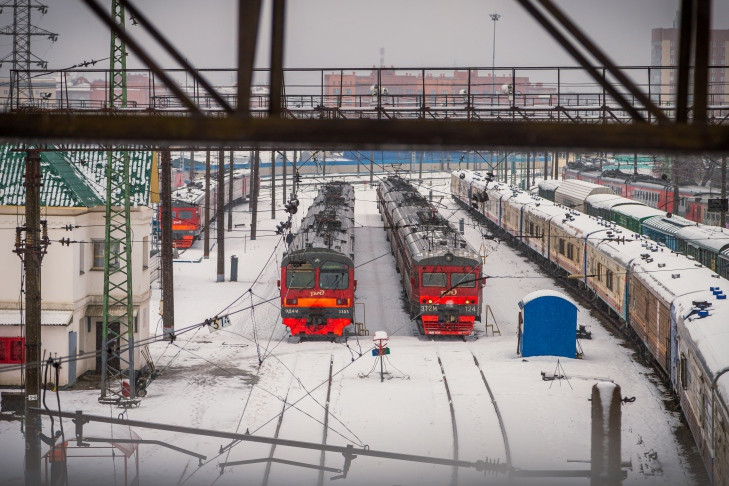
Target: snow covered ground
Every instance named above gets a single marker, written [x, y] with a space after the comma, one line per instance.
[241, 378]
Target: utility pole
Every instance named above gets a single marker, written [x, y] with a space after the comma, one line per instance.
[294, 175]
[168, 295]
[22, 58]
[31, 251]
[722, 214]
[192, 166]
[420, 166]
[273, 184]
[230, 194]
[676, 198]
[254, 194]
[284, 196]
[372, 166]
[206, 242]
[117, 352]
[220, 210]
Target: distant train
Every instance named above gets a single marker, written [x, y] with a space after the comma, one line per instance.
[441, 273]
[188, 205]
[317, 271]
[709, 245]
[672, 304]
[692, 201]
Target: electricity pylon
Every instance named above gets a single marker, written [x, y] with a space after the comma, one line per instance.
[117, 353]
[22, 58]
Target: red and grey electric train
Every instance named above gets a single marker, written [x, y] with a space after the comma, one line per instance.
[441, 273]
[188, 205]
[317, 272]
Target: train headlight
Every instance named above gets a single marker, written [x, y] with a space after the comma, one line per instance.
[341, 301]
[468, 302]
[430, 301]
[292, 301]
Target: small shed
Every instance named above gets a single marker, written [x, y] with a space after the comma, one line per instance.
[548, 325]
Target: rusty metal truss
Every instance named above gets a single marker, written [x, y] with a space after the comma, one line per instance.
[618, 114]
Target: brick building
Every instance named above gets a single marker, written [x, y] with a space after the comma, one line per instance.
[664, 53]
[439, 87]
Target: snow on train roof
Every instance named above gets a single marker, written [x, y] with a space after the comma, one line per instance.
[550, 185]
[638, 211]
[711, 237]
[667, 225]
[671, 274]
[579, 190]
[709, 334]
[607, 201]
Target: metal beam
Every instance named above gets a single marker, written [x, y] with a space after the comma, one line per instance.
[582, 60]
[701, 59]
[249, 12]
[268, 134]
[685, 36]
[134, 46]
[602, 57]
[277, 50]
[139, 16]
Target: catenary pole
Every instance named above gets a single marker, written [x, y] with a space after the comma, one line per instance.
[254, 194]
[206, 243]
[168, 297]
[31, 253]
[230, 193]
[273, 184]
[219, 222]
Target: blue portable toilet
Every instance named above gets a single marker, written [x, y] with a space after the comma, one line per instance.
[549, 325]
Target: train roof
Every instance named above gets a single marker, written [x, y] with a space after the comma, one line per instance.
[709, 334]
[428, 235]
[550, 185]
[670, 274]
[329, 222]
[638, 211]
[609, 200]
[667, 225]
[573, 191]
[712, 238]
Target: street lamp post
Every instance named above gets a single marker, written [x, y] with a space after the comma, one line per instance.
[494, 17]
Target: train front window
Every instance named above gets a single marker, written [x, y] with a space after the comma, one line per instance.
[333, 276]
[186, 214]
[434, 279]
[300, 276]
[463, 280]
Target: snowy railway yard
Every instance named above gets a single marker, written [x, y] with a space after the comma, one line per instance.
[435, 399]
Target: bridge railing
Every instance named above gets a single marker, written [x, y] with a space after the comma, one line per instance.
[554, 93]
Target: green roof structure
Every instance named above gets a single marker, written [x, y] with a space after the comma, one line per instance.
[74, 177]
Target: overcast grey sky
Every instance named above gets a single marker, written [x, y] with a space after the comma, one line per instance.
[350, 33]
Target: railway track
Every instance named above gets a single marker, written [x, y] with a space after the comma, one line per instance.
[482, 432]
[304, 416]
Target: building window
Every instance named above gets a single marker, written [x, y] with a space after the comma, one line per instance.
[12, 350]
[145, 252]
[99, 255]
[81, 259]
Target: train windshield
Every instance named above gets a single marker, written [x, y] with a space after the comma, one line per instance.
[434, 279]
[186, 214]
[300, 276]
[463, 280]
[333, 276]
